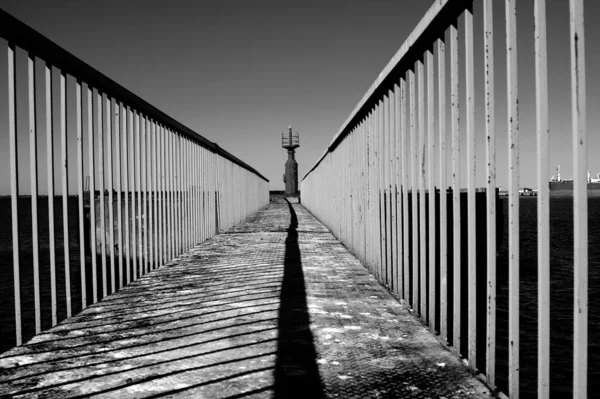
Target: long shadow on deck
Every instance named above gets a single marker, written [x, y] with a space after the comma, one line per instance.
[296, 370]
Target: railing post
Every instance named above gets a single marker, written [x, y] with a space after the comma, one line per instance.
[513, 203]
[580, 205]
[491, 191]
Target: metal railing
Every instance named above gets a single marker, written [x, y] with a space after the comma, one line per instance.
[154, 187]
[377, 186]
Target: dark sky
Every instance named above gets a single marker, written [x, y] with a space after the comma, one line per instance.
[239, 72]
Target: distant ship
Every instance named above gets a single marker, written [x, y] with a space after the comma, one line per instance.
[564, 188]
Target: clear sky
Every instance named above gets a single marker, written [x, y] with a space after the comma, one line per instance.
[239, 72]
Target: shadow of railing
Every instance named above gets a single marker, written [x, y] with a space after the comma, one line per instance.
[296, 370]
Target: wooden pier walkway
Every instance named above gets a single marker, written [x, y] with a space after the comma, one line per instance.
[274, 307]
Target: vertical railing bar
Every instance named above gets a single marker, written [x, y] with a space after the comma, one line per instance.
[177, 175]
[490, 120]
[580, 202]
[454, 87]
[145, 188]
[403, 132]
[155, 167]
[33, 178]
[156, 193]
[80, 194]
[471, 172]
[205, 192]
[441, 54]
[513, 204]
[183, 187]
[174, 159]
[133, 125]
[151, 193]
[161, 181]
[210, 175]
[50, 170]
[197, 180]
[169, 203]
[202, 174]
[391, 187]
[380, 225]
[119, 194]
[100, 106]
[414, 189]
[174, 197]
[432, 193]
[386, 189]
[92, 171]
[111, 203]
[369, 189]
[169, 182]
[193, 213]
[128, 131]
[371, 182]
[184, 194]
[172, 194]
[138, 271]
[543, 216]
[398, 194]
[383, 131]
[363, 190]
[186, 170]
[422, 145]
[14, 184]
[65, 186]
[190, 173]
[167, 200]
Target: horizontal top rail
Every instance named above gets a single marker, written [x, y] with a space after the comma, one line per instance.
[432, 26]
[21, 35]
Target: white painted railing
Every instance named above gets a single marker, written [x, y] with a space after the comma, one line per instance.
[372, 185]
[155, 187]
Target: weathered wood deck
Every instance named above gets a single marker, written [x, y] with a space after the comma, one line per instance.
[274, 307]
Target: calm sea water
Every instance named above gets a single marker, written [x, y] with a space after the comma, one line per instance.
[561, 297]
[561, 269]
